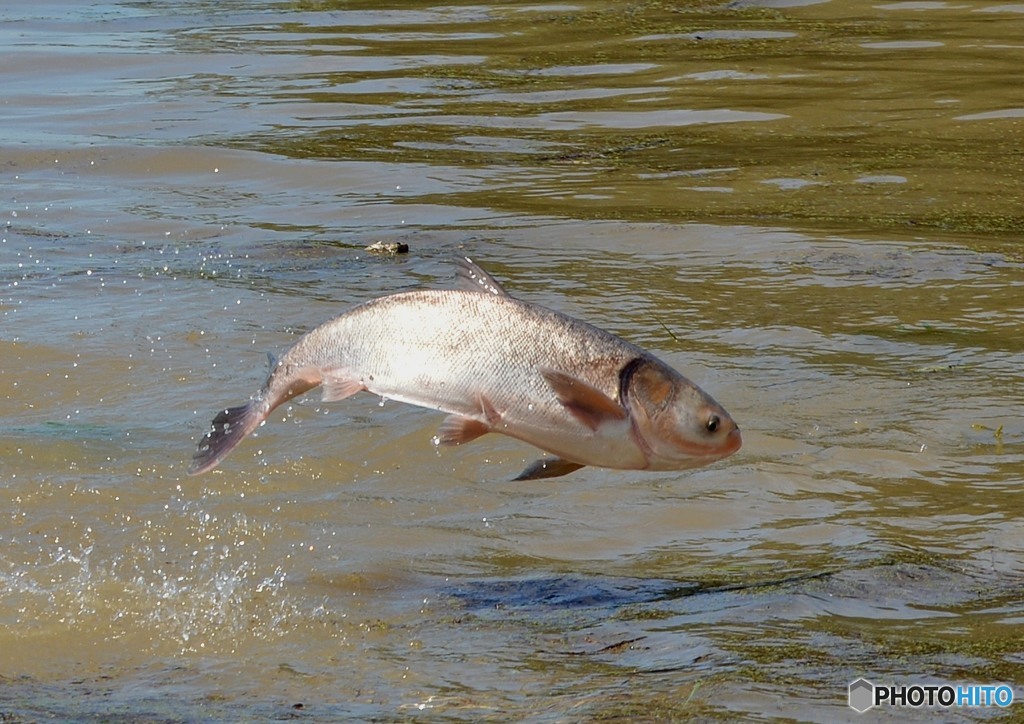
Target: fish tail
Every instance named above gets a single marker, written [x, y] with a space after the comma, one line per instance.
[229, 428]
[233, 424]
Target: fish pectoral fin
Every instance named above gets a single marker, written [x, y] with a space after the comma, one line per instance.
[470, 277]
[548, 468]
[339, 385]
[456, 430]
[586, 403]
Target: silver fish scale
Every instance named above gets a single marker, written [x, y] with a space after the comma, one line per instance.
[445, 348]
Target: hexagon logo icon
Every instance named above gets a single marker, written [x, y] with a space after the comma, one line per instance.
[862, 695]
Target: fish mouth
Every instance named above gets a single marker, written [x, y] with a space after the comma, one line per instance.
[733, 441]
[689, 454]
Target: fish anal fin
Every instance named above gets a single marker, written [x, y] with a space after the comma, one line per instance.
[340, 384]
[456, 430]
[548, 468]
[585, 402]
[470, 277]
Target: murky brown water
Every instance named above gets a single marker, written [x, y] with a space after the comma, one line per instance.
[812, 209]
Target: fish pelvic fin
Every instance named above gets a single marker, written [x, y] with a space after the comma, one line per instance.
[585, 402]
[228, 428]
[456, 430]
[548, 468]
[470, 277]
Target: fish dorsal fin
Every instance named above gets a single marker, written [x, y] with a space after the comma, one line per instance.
[470, 277]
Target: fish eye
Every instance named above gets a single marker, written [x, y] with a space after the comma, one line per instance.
[713, 423]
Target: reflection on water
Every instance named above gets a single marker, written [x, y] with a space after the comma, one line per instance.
[191, 185]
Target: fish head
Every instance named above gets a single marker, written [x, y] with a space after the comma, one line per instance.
[675, 422]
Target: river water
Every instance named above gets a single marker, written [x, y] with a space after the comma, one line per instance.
[813, 209]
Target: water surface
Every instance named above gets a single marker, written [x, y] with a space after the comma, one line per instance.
[811, 209]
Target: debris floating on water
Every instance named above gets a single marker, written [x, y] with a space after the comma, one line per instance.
[388, 247]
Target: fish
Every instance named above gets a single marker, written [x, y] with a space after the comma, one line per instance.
[496, 364]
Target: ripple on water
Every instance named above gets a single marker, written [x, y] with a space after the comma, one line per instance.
[192, 186]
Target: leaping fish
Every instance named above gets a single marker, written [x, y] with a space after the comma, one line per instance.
[494, 363]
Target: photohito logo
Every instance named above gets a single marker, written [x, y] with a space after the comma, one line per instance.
[863, 695]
